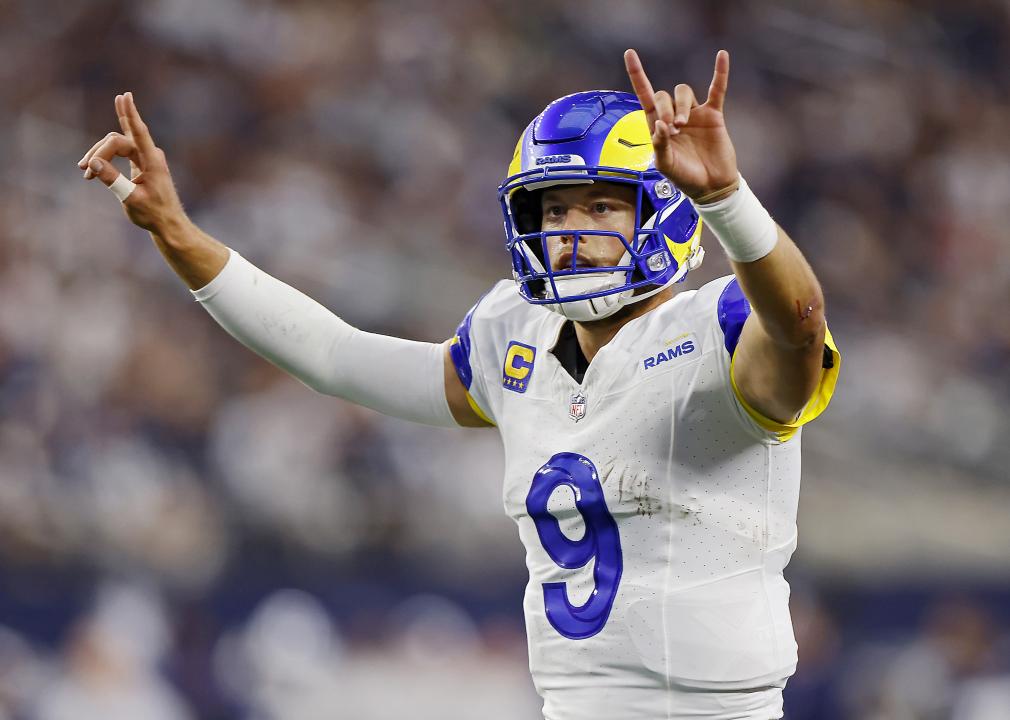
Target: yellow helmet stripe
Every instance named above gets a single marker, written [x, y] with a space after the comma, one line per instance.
[628, 144]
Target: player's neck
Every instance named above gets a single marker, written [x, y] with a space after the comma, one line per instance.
[594, 335]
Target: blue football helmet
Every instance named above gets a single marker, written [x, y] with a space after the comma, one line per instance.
[596, 136]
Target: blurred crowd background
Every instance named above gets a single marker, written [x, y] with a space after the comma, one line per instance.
[187, 533]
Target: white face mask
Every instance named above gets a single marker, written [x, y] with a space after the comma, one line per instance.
[605, 306]
[594, 308]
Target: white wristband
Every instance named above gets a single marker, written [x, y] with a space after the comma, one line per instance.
[122, 186]
[741, 224]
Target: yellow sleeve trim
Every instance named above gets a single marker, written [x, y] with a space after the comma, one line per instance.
[476, 408]
[815, 406]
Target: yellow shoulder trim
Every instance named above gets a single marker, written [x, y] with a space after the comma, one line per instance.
[814, 407]
[476, 408]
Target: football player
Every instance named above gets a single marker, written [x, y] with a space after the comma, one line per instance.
[652, 438]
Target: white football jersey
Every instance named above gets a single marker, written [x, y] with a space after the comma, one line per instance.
[656, 509]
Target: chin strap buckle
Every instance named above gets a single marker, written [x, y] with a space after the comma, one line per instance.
[695, 258]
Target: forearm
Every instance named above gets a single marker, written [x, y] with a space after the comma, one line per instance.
[784, 294]
[775, 277]
[194, 255]
[396, 377]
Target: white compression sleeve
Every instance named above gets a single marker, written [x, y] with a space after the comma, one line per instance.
[397, 377]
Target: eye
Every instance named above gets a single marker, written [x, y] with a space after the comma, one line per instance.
[600, 207]
[553, 211]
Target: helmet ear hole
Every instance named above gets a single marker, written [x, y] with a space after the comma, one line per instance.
[527, 213]
[647, 209]
[646, 212]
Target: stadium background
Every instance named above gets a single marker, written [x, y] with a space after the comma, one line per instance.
[187, 533]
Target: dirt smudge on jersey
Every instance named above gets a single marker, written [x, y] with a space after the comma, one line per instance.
[648, 504]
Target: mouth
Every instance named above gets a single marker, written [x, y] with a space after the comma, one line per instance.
[565, 261]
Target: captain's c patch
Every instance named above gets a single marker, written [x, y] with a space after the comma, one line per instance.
[518, 367]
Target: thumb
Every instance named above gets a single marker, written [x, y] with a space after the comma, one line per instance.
[120, 186]
[104, 171]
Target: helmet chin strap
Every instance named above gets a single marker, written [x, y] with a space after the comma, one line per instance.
[599, 307]
[592, 308]
[606, 305]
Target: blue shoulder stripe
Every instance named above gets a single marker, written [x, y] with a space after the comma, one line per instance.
[733, 310]
[459, 349]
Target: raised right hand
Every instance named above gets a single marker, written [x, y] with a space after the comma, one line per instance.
[693, 148]
[154, 204]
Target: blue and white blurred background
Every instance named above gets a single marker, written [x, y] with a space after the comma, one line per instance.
[187, 533]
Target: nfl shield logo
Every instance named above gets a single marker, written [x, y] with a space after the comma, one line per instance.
[577, 407]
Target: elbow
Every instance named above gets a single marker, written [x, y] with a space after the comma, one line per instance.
[321, 374]
[804, 328]
[318, 385]
[325, 369]
[312, 379]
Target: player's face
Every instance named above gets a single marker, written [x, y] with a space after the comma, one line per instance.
[600, 206]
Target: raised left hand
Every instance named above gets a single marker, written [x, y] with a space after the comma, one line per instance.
[691, 143]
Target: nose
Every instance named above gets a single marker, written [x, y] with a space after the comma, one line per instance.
[575, 219]
[569, 242]
[566, 244]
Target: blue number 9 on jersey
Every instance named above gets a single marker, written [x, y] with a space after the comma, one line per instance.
[601, 543]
